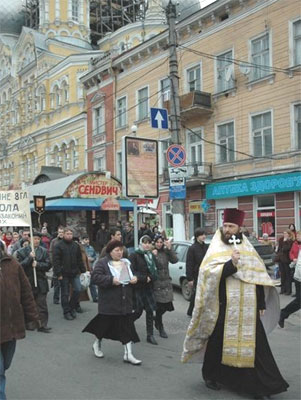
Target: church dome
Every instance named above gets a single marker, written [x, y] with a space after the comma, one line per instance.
[12, 16]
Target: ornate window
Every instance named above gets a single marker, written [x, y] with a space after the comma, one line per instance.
[75, 10]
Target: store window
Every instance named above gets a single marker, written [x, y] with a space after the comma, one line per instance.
[266, 216]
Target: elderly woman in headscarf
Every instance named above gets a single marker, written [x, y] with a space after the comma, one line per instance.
[163, 290]
[115, 279]
[144, 266]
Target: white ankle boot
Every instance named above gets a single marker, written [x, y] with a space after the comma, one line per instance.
[97, 348]
[128, 355]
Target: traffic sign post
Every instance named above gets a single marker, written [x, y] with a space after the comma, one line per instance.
[176, 155]
[177, 189]
[159, 118]
[175, 172]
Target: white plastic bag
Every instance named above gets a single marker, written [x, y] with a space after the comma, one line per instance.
[85, 279]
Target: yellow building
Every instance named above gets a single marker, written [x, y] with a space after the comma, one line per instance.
[42, 105]
[239, 75]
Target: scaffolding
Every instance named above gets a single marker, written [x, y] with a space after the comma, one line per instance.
[31, 12]
[107, 16]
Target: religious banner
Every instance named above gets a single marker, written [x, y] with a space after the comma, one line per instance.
[14, 208]
[93, 186]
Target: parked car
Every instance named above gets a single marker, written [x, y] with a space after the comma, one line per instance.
[178, 271]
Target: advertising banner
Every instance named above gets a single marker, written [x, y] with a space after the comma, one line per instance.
[94, 185]
[140, 167]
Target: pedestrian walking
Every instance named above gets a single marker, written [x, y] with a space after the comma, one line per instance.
[295, 305]
[91, 255]
[17, 305]
[115, 234]
[163, 290]
[55, 283]
[226, 327]
[195, 255]
[128, 238]
[144, 267]
[102, 237]
[38, 259]
[282, 256]
[115, 279]
[67, 266]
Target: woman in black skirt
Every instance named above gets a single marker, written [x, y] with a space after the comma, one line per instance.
[162, 286]
[144, 266]
[114, 278]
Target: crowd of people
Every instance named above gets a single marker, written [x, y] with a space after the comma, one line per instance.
[125, 281]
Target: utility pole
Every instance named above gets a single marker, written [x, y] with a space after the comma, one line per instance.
[178, 206]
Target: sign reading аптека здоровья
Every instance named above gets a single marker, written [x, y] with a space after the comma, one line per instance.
[255, 186]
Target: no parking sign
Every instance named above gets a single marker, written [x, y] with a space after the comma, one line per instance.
[176, 155]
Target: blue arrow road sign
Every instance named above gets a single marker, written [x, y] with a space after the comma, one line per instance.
[159, 118]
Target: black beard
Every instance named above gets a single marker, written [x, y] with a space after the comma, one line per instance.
[238, 235]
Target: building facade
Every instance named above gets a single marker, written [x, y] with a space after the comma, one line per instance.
[42, 105]
[239, 85]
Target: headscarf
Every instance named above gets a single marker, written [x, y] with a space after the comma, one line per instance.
[148, 256]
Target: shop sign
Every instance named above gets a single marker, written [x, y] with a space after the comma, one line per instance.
[245, 187]
[198, 207]
[194, 207]
[91, 186]
[110, 204]
[266, 213]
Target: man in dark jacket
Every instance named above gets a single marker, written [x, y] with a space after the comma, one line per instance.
[38, 259]
[102, 237]
[128, 239]
[195, 255]
[67, 266]
[17, 306]
[55, 282]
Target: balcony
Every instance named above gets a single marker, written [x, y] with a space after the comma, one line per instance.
[196, 173]
[193, 104]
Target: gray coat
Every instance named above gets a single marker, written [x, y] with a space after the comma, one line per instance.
[162, 286]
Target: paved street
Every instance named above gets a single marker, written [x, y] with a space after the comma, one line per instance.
[62, 366]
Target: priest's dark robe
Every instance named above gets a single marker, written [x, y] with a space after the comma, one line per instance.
[265, 378]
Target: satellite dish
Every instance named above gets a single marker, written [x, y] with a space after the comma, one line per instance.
[244, 68]
[229, 73]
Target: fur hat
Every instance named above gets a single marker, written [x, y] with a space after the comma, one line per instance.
[234, 216]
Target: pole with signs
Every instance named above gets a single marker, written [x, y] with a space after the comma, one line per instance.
[15, 211]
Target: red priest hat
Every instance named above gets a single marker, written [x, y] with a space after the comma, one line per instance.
[234, 216]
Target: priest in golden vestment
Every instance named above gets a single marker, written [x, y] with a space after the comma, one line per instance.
[235, 302]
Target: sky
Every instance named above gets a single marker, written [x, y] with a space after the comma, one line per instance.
[205, 3]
